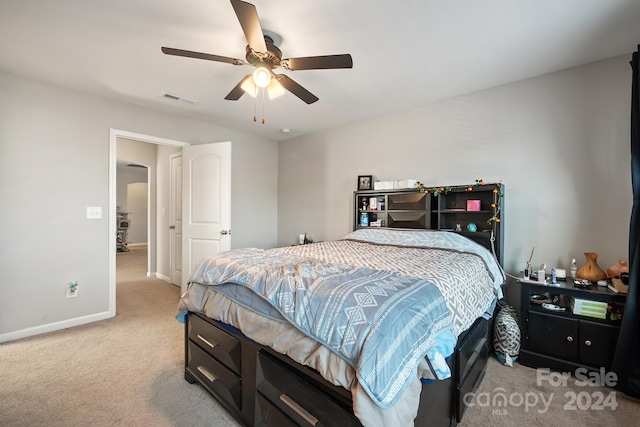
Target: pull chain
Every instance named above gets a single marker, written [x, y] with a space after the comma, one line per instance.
[263, 91]
[255, 105]
[255, 101]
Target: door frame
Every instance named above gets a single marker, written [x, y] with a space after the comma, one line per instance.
[114, 134]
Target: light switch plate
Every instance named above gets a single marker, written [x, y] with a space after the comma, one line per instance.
[94, 212]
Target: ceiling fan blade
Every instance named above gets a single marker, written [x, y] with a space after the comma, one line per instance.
[296, 89]
[318, 62]
[250, 23]
[237, 91]
[198, 55]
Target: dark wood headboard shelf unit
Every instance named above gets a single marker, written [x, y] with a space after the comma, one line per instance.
[455, 208]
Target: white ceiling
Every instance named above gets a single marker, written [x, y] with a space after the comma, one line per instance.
[405, 53]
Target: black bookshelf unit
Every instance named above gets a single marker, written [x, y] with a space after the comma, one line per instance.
[458, 209]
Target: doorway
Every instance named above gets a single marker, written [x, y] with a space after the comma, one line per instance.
[132, 216]
[114, 135]
[132, 203]
[206, 204]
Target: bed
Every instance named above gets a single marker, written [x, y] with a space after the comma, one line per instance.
[381, 328]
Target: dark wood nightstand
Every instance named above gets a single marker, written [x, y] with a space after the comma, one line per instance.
[560, 339]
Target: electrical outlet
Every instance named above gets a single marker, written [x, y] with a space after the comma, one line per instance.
[72, 289]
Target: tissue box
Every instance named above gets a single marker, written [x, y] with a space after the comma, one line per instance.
[383, 185]
[406, 183]
[473, 205]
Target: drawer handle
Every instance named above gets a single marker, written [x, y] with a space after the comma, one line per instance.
[209, 343]
[476, 352]
[212, 378]
[587, 342]
[299, 409]
[570, 338]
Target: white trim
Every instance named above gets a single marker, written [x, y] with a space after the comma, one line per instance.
[55, 326]
[114, 134]
[163, 278]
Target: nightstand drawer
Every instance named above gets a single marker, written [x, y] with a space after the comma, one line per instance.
[216, 342]
[301, 402]
[473, 347]
[214, 376]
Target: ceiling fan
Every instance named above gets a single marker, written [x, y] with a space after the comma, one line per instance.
[264, 55]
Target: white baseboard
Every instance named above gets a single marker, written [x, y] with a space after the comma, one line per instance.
[56, 326]
[163, 277]
[137, 244]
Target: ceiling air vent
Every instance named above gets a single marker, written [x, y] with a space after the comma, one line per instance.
[178, 99]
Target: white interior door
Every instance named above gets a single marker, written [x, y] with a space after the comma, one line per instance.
[206, 203]
[175, 219]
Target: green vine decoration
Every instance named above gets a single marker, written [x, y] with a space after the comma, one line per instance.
[436, 191]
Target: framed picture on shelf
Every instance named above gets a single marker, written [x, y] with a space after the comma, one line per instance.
[365, 182]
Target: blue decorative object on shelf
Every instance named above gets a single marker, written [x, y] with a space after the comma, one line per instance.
[472, 227]
[364, 219]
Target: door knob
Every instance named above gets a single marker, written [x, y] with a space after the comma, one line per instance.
[172, 227]
[223, 232]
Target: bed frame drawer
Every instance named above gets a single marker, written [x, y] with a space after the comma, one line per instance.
[471, 348]
[296, 398]
[269, 415]
[473, 380]
[471, 362]
[215, 342]
[214, 376]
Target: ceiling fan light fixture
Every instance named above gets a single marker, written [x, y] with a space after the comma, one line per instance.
[250, 88]
[275, 89]
[262, 76]
[263, 53]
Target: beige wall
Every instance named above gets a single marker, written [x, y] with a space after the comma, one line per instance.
[559, 143]
[54, 162]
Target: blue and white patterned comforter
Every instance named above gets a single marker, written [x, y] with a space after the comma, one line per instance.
[382, 322]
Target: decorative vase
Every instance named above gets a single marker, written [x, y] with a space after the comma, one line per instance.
[616, 269]
[591, 271]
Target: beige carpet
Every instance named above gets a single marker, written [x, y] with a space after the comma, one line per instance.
[128, 371]
[530, 402]
[125, 371]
